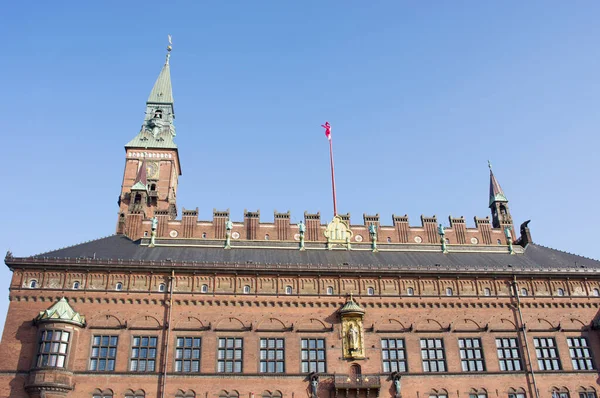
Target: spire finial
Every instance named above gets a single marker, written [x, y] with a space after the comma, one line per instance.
[490, 165]
[169, 48]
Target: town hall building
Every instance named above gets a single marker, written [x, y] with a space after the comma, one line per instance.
[175, 306]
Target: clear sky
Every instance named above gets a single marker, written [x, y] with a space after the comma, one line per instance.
[420, 95]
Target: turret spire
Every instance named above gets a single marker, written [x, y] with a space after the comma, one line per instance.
[498, 203]
[496, 193]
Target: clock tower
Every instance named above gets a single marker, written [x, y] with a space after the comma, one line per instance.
[152, 168]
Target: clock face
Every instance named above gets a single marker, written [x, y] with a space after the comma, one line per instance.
[152, 170]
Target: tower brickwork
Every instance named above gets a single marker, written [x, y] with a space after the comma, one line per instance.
[153, 190]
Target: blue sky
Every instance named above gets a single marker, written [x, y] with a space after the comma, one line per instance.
[420, 95]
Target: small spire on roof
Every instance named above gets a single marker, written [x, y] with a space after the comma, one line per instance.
[141, 180]
[496, 193]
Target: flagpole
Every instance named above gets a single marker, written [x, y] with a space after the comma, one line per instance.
[332, 177]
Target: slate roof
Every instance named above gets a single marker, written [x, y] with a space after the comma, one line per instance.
[534, 258]
[162, 92]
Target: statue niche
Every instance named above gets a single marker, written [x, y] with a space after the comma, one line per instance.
[351, 315]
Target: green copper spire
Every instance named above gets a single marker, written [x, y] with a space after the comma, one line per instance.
[496, 193]
[61, 311]
[158, 129]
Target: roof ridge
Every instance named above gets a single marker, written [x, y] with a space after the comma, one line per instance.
[73, 245]
[563, 251]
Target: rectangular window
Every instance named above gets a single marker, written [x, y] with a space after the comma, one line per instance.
[590, 394]
[479, 395]
[581, 355]
[272, 356]
[312, 355]
[433, 356]
[556, 394]
[52, 348]
[547, 354]
[143, 354]
[187, 354]
[393, 354]
[509, 354]
[229, 355]
[471, 355]
[519, 395]
[104, 353]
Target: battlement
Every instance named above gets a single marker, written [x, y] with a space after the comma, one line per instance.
[250, 228]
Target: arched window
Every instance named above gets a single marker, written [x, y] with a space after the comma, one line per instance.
[370, 291]
[478, 393]
[76, 285]
[136, 394]
[204, 288]
[512, 393]
[137, 199]
[158, 114]
[162, 287]
[449, 291]
[288, 290]
[596, 293]
[329, 290]
[153, 187]
[562, 392]
[246, 289]
[438, 394]
[269, 394]
[560, 292]
[266, 236]
[389, 240]
[119, 286]
[487, 291]
[33, 283]
[186, 394]
[203, 235]
[499, 242]
[232, 394]
[524, 292]
[410, 291]
[587, 392]
[98, 393]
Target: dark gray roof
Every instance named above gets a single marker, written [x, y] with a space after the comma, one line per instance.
[534, 257]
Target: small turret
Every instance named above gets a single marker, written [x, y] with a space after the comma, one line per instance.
[501, 217]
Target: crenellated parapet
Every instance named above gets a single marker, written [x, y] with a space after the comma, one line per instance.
[251, 228]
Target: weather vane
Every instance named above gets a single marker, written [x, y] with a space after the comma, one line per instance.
[169, 48]
[490, 164]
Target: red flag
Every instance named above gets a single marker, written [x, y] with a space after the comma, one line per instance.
[327, 128]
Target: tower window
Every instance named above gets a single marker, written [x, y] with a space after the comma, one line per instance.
[119, 286]
[204, 289]
[76, 285]
[162, 287]
[158, 114]
[33, 283]
[153, 187]
[137, 199]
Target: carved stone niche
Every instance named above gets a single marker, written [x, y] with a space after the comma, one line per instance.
[352, 333]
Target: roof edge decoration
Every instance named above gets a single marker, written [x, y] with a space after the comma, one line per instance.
[61, 311]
